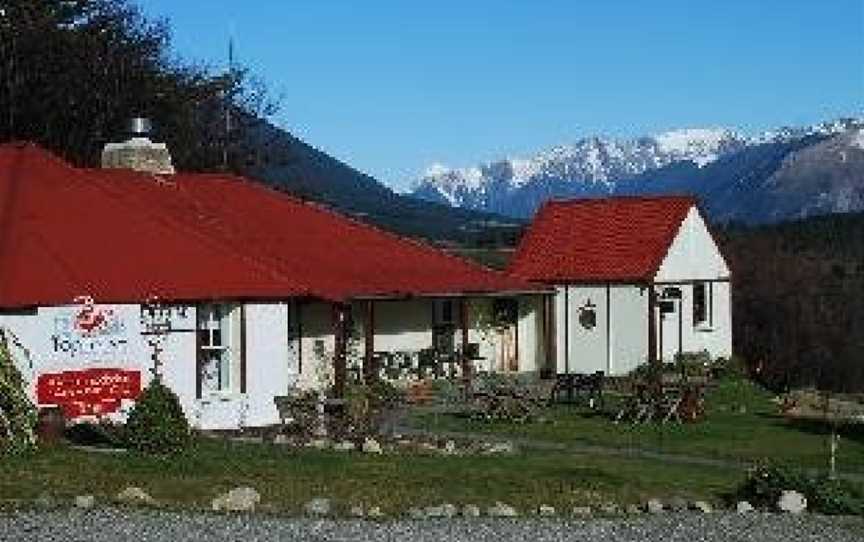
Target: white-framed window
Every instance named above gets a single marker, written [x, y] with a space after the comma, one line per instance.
[703, 304]
[215, 338]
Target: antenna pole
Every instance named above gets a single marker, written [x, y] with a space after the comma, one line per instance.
[227, 101]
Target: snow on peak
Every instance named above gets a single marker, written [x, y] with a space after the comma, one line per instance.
[699, 145]
[436, 170]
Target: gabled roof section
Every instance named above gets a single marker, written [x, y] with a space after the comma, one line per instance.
[620, 239]
[124, 236]
[65, 233]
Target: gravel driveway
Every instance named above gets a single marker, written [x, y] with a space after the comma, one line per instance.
[143, 526]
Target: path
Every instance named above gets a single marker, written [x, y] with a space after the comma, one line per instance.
[110, 524]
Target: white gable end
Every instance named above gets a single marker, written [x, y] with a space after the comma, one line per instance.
[693, 254]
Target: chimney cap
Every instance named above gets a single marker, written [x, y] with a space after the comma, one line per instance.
[140, 126]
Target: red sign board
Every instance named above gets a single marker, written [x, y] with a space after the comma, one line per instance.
[88, 392]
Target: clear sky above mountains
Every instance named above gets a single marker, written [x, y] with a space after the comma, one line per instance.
[393, 86]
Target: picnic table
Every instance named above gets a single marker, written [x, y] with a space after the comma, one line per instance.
[587, 387]
[680, 402]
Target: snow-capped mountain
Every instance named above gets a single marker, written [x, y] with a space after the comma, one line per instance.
[598, 166]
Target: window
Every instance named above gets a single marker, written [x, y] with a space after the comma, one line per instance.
[214, 347]
[443, 312]
[702, 304]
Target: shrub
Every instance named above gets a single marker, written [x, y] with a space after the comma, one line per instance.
[157, 423]
[365, 404]
[102, 434]
[17, 414]
[766, 481]
[734, 367]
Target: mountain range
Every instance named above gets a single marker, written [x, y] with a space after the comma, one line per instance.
[789, 173]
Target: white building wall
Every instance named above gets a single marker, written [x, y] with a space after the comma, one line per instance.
[629, 328]
[695, 257]
[399, 325]
[271, 369]
[581, 348]
[532, 353]
[55, 347]
[715, 336]
[693, 254]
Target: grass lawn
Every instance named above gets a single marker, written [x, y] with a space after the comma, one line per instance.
[758, 432]
[287, 478]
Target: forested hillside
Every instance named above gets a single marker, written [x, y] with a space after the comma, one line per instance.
[798, 300]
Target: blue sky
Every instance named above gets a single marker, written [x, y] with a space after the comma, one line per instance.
[393, 86]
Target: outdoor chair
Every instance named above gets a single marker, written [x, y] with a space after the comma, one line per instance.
[638, 407]
[670, 403]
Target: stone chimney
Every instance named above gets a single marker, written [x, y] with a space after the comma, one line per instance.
[138, 152]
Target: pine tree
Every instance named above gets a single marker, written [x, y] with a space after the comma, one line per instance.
[17, 413]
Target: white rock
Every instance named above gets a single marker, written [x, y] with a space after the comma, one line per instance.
[501, 510]
[319, 443]
[317, 507]
[85, 501]
[135, 496]
[744, 507]
[632, 510]
[500, 448]
[371, 446]
[449, 448]
[581, 511]
[792, 502]
[545, 510]
[45, 502]
[471, 511]
[702, 506]
[654, 506]
[344, 446]
[445, 510]
[239, 499]
[416, 513]
[610, 509]
[356, 512]
[374, 512]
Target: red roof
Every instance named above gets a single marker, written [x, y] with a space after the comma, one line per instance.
[622, 239]
[122, 236]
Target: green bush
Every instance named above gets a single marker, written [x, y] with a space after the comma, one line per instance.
[766, 481]
[157, 423]
[366, 403]
[102, 434]
[17, 414]
[734, 367]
